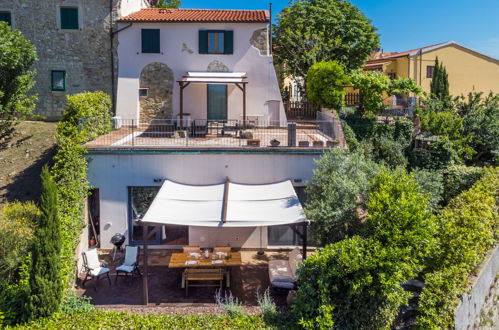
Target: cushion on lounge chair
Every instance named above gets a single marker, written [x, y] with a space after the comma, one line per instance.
[279, 270]
[125, 268]
[283, 285]
[99, 271]
[282, 273]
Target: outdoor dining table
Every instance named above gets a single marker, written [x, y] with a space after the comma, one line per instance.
[186, 260]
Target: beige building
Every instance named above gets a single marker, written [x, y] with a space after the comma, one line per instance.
[468, 70]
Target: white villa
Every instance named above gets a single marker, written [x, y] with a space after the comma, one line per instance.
[199, 118]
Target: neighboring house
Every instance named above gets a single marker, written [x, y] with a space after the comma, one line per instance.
[187, 80]
[74, 45]
[468, 70]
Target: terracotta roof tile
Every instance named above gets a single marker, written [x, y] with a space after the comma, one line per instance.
[197, 15]
[386, 56]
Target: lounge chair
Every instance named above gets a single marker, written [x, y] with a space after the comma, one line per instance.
[282, 273]
[131, 265]
[93, 267]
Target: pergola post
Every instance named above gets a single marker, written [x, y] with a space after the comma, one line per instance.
[304, 239]
[145, 286]
[244, 105]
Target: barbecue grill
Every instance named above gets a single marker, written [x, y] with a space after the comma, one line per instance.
[117, 240]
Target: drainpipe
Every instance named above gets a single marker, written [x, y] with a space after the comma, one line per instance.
[420, 67]
[111, 38]
[270, 30]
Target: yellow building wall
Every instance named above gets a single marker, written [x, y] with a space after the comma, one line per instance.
[468, 71]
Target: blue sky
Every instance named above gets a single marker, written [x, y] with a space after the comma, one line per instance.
[405, 25]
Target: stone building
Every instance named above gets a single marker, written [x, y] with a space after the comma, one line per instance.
[75, 42]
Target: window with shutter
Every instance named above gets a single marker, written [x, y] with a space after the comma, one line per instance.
[150, 41]
[5, 16]
[69, 18]
[216, 42]
[58, 81]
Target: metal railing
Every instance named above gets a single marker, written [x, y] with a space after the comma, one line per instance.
[199, 133]
[301, 110]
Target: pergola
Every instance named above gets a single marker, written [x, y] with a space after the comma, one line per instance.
[237, 78]
[225, 205]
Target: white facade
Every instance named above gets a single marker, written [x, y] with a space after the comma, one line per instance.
[114, 173]
[179, 51]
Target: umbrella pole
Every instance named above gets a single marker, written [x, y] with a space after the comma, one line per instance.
[304, 239]
[145, 286]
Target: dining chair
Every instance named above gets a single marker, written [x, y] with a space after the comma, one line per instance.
[190, 249]
[225, 249]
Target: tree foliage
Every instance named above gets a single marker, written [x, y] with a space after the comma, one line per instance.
[337, 195]
[374, 87]
[356, 283]
[17, 57]
[310, 31]
[439, 86]
[46, 287]
[167, 4]
[326, 83]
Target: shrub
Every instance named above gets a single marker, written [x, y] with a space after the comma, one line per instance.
[229, 303]
[13, 295]
[431, 183]
[459, 178]
[326, 83]
[45, 278]
[17, 58]
[337, 193]
[17, 223]
[113, 320]
[267, 305]
[356, 283]
[467, 229]
[93, 106]
[352, 142]
[351, 284]
[74, 305]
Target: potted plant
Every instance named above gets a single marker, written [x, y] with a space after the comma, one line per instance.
[275, 142]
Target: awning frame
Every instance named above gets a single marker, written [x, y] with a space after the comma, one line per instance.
[236, 78]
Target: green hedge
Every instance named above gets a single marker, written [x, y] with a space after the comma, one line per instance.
[113, 320]
[467, 228]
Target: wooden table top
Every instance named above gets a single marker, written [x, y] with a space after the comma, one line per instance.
[178, 260]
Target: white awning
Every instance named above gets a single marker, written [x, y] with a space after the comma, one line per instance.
[214, 77]
[247, 205]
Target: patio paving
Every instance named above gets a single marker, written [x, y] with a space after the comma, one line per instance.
[165, 290]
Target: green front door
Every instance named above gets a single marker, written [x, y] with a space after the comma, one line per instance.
[217, 102]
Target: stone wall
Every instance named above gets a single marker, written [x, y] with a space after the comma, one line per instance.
[157, 78]
[479, 308]
[259, 40]
[84, 54]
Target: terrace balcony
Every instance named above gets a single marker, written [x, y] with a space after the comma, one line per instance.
[317, 135]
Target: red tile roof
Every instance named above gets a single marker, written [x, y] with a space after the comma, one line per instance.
[198, 15]
[386, 56]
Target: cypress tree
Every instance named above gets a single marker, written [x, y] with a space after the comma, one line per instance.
[439, 86]
[45, 281]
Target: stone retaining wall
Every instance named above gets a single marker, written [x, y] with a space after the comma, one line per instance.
[479, 308]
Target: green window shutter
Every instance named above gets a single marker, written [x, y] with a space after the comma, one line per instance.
[150, 41]
[229, 42]
[203, 42]
[69, 18]
[6, 17]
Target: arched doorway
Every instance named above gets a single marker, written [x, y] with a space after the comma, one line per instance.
[156, 83]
